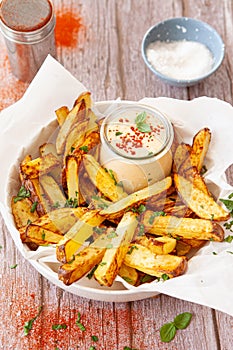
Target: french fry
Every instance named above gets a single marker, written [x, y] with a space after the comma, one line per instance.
[22, 212]
[39, 166]
[199, 229]
[142, 259]
[77, 235]
[102, 179]
[72, 178]
[52, 191]
[84, 261]
[200, 147]
[198, 201]
[117, 209]
[112, 260]
[41, 236]
[158, 245]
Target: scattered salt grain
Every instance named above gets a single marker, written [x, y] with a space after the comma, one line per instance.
[182, 60]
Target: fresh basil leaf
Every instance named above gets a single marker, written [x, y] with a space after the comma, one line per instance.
[167, 332]
[140, 118]
[182, 321]
[144, 127]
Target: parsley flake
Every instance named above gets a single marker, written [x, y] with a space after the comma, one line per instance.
[23, 193]
[28, 325]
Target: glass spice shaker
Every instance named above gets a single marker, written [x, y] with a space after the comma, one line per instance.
[28, 30]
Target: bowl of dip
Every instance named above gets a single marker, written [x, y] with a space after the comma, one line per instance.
[136, 145]
[182, 51]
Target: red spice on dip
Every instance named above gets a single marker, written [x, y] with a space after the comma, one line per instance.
[136, 145]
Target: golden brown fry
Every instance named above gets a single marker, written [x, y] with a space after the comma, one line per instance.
[200, 229]
[52, 191]
[182, 155]
[61, 114]
[117, 209]
[39, 166]
[72, 178]
[142, 259]
[22, 212]
[103, 180]
[37, 195]
[200, 147]
[41, 236]
[158, 245]
[76, 236]
[199, 202]
[109, 267]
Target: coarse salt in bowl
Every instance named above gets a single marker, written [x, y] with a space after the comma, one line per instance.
[182, 51]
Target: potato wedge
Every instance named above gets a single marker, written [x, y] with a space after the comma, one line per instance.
[39, 166]
[77, 235]
[158, 245]
[37, 195]
[102, 179]
[200, 147]
[22, 213]
[109, 267]
[41, 236]
[61, 114]
[199, 202]
[52, 191]
[84, 261]
[75, 138]
[182, 155]
[172, 226]
[72, 178]
[117, 209]
[142, 259]
[129, 274]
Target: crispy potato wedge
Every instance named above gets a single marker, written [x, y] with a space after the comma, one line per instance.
[109, 267]
[37, 195]
[158, 245]
[86, 97]
[41, 236]
[200, 229]
[39, 166]
[77, 235]
[182, 155]
[91, 141]
[52, 191]
[72, 178]
[102, 179]
[22, 213]
[142, 259]
[199, 202]
[84, 261]
[117, 209]
[61, 114]
[75, 138]
[200, 147]
[129, 274]
[75, 116]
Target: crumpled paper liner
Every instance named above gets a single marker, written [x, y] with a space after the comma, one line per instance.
[29, 122]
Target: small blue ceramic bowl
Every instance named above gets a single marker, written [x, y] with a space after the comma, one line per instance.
[189, 29]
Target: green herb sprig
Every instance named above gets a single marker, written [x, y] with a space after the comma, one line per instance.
[28, 325]
[168, 330]
[141, 123]
[23, 193]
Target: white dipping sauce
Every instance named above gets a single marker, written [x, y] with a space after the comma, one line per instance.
[182, 60]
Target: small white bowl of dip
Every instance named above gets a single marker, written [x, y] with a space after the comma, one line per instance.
[182, 51]
[136, 145]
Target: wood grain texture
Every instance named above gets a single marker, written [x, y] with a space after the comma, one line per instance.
[107, 59]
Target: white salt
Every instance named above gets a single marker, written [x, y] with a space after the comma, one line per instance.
[182, 60]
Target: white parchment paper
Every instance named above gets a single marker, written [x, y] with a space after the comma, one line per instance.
[209, 278]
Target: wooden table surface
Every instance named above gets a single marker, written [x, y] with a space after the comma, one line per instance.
[104, 53]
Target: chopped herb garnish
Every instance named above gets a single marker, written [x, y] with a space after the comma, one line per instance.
[28, 325]
[228, 203]
[229, 225]
[118, 133]
[154, 215]
[110, 171]
[146, 278]
[203, 170]
[212, 217]
[34, 206]
[79, 324]
[94, 338]
[71, 203]
[98, 230]
[43, 235]
[228, 239]
[91, 273]
[57, 327]
[109, 246]
[56, 205]
[127, 279]
[112, 234]
[214, 253]
[72, 259]
[141, 230]
[92, 347]
[102, 263]
[165, 277]
[228, 251]
[1, 247]
[84, 148]
[23, 193]
[72, 149]
[131, 249]
[29, 222]
[168, 330]
[13, 266]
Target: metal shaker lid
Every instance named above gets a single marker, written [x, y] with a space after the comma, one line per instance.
[25, 15]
